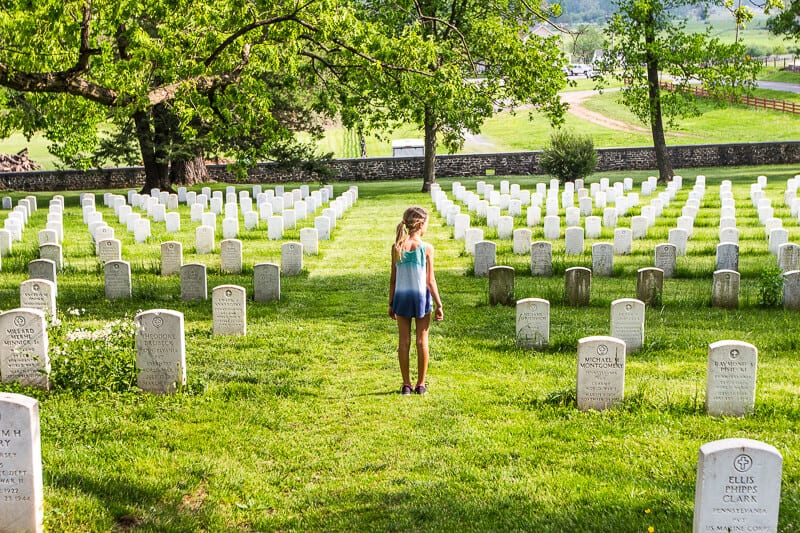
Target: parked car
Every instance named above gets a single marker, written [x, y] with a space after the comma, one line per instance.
[581, 69]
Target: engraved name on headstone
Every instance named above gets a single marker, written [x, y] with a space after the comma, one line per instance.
[117, 279]
[627, 322]
[533, 323]
[738, 486]
[601, 372]
[21, 485]
[160, 351]
[229, 310]
[266, 282]
[24, 356]
[731, 378]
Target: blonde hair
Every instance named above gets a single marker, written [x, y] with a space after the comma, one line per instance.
[413, 220]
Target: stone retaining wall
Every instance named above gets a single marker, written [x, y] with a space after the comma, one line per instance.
[401, 168]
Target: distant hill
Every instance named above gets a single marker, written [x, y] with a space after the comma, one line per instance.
[598, 11]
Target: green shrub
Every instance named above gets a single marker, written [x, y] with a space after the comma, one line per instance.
[770, 286]
[569, 156]
[101, 358]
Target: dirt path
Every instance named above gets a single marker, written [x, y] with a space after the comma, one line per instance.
[576, 98]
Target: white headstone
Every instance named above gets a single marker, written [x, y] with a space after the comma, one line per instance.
[777, 237]
[229, 310]
[54, 253]
[601, 372]
[141, 230]
[485, 258]
[729, 235]
[6, 242]
[471, 238]
[310, 241]
[679, 238]
[323, 227]
[725, 289]
[275, 227]
[117, 275]
[666, 259]
[541, 258]
[48, 236]
[738, 487]
[291, 258]
[461, 224]
[160, 351]
[552, 227]
[627, 322]
[573, 238]
[266, 282]
[505, 227]
[204, 240]
[39, 294]
[22, 502]
[24, 355]
[230, 252]
[109, 250]
[791, 290]
[731, 378]
[602, 259]
[194, 282]
[173, 222]
[639, 225]
[522, 241]
[533, 323]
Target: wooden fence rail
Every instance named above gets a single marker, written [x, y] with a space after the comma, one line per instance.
[753, 101]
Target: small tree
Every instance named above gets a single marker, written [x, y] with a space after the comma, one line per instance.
[569, 156]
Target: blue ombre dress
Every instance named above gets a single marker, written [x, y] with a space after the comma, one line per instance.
[411, 295]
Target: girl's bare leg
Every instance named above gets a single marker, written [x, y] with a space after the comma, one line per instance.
[422, 347]
[404, 346]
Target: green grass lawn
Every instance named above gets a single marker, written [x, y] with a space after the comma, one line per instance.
[299, 426]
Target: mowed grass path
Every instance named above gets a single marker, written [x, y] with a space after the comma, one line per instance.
[299, 425]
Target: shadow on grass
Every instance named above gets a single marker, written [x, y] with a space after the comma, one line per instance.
[131, 505]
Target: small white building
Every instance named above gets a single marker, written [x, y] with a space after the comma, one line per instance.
[408, 148]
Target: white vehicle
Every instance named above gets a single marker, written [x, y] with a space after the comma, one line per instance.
[581, 69]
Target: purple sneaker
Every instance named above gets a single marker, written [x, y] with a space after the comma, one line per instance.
[421, 389]
[406, 390]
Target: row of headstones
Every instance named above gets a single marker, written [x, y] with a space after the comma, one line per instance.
[109, 249]
[776, 234]
[15, 223]
[160, 345]
[491, 206]
[649, 287]
[303, 203]
[665, 254]
[40, 290]
[730, 375]
[639, 224]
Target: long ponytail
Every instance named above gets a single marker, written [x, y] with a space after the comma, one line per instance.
[413, 220]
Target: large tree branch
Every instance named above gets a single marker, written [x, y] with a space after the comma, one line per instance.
[66, 81]
[363, 55]
[451, 27]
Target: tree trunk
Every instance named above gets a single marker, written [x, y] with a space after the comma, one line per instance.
[429, 167]
[663, 161]
[189, 172]
[156, 171]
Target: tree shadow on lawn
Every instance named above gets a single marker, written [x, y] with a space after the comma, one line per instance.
[437, 506]
[130, 505]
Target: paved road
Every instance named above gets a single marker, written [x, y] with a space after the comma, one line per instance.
[780, 86]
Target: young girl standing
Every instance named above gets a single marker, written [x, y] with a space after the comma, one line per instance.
[412, 291]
